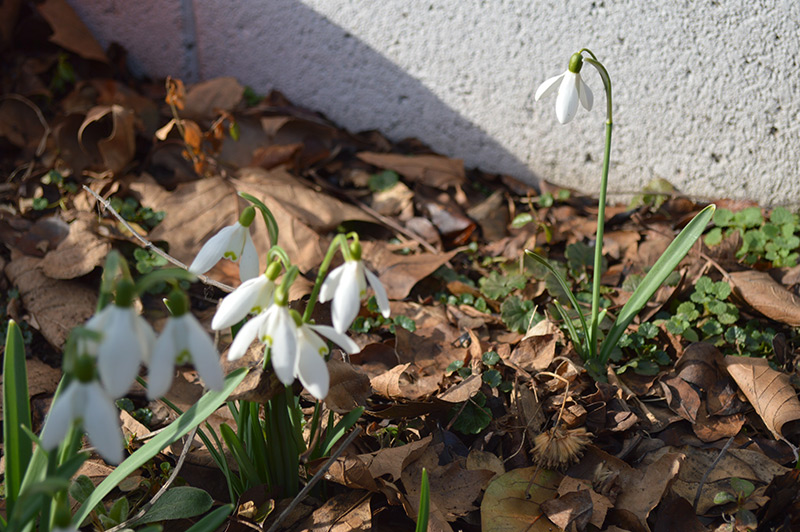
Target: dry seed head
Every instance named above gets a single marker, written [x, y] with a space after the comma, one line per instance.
[557, 448]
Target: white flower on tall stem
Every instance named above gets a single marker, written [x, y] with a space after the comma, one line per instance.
[571, 89]
[253, 295]
[126, 341]
[233, 243]
[182, 337]
[85, 401]
[347, 286]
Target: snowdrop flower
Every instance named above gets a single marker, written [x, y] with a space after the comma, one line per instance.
[571, 89]
[127, 340]
[234, 243]
[310, 366]
[253, 295]
[347, 286]
[85, 401]
[182, 337]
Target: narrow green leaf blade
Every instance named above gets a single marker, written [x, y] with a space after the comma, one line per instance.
[424, 503]
[656, 277]
[213, 520]
[16, 414]
[186, 422]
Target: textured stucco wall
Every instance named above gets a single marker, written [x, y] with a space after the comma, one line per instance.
[706, 93]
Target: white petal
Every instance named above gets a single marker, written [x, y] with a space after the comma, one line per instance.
[204, 354]
[245, 337]
[585, 94]
[146, 336]
[162, 364]
[248, 264]
[213, 250]
[311, 367]
[328, 288]
[253, 293]
[342, 340]
[347, 299]
[567, 101]
[61, 415]
[380, 293]
[120, 353]
[547, 87]
[282, 333]
[101, 422]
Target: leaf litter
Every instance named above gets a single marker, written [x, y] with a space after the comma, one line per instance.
[472, 377]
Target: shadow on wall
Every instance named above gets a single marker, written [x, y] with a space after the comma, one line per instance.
[285, 45]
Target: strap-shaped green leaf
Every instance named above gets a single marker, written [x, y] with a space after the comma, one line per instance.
[186, 422]
[424, 503]
[656, 277]
[16, 414]
[587, 351]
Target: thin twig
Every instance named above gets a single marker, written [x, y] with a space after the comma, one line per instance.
[146, 244]
[144, 509]
[709, 470]
[313, 482]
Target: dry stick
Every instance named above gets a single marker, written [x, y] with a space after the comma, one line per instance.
[316, 478]
[164, 488]
[146, 244]
[709, 470]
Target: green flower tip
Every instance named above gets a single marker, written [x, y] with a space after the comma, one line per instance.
[273, 270]
[247, 216]
[298, 320]
[84, 368]
[177, 303]
[281, 296]
[355, 250]
[126, 292]
[575, 63]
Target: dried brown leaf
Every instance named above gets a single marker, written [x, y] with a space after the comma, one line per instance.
[770, 392]
[107, 135]
[392, 460]
[432, 170]
[79, 253]
[765, 295]
[399, 273]
[204, 100]
[345, 512]
[571, 509]
[69, 31]
[506, 506]
[349, 387]
[55, 306]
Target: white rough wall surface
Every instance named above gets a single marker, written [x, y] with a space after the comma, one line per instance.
[706, 93]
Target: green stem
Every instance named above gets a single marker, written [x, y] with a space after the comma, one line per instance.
[601, 211]
[339, 241]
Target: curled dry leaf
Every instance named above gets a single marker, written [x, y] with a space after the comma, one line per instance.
[765, 295]
[349, 387]
[770, 392]
[204, 100]
[393, 460]
[507, 508]
[108, 136]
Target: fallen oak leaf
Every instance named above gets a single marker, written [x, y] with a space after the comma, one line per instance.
[770, 392]
[432, 170]
[767, 296]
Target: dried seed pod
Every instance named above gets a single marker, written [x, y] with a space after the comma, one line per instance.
[558, 447]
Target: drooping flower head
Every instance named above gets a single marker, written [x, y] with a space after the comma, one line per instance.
[252, 296]
[233, 243]
[126, 341]
[86, 402]
[182, 339]
[347, 286]
[571, 90]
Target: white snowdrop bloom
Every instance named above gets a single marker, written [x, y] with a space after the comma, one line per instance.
[571, 89]
[233, 243]
[253, 295]
[276, 328]
[88, 404]
[181, 337]
[127, 340]
[347, 286]
[310, 366]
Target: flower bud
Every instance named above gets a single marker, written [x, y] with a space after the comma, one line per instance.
[247, 216]
[575, 63]
[273, 270]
